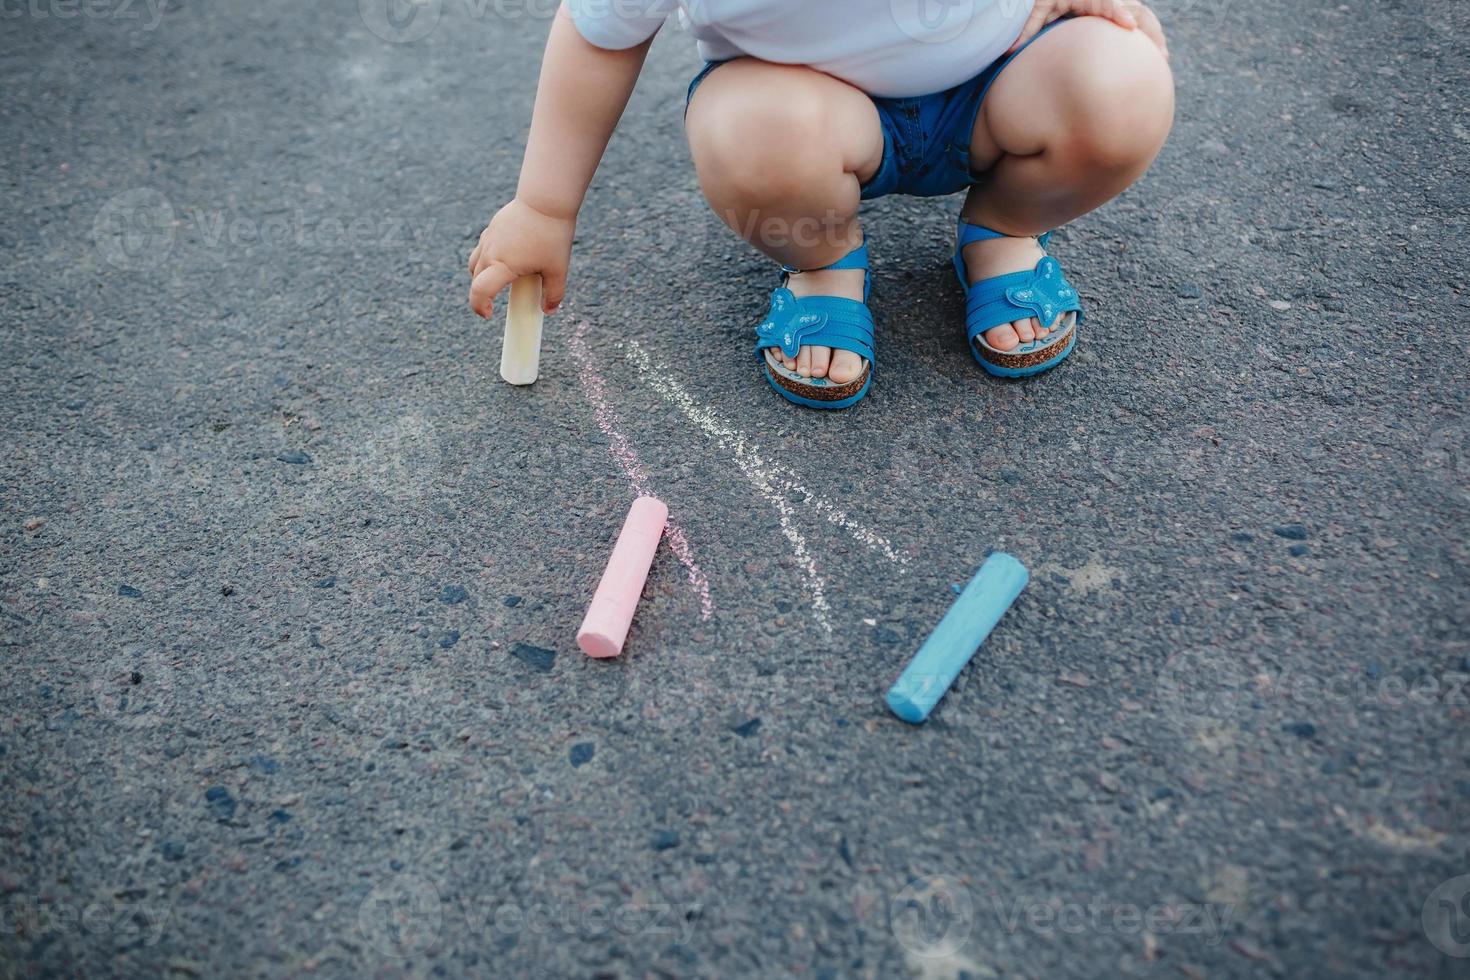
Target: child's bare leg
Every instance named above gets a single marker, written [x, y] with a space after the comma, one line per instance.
[1077, 117]
[782, 153]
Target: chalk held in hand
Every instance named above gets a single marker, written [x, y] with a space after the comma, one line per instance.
[611, 613]
[520, 357]
[957, 637]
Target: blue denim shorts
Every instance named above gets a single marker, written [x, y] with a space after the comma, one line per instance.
[926, 139]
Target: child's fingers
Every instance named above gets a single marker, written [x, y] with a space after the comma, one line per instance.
[1117, 11]
[475, 257]
[488, 283]
[1034, 23]
[1148, 22]
[553, 288]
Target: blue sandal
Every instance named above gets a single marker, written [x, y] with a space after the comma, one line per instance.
[1043, 292]
[820, 321]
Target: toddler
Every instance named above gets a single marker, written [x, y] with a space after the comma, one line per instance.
[1040, 110]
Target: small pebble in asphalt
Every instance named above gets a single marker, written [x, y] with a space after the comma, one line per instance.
[171, 850]
[581, 754]
[221, 803]
[1188, 290]
[747, 729]
[1301, 729]
[538, 658]
[512, 601]
[448, 638]
[294, 456]
[1291, 532]
[128, 592]
[264, 765]
[453, 595]
[327, 582]
[1299, 550]
[664, 840]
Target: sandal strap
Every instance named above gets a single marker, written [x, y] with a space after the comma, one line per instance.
[1042, 292]
[968, 234]
[821, 321]
[856, 259]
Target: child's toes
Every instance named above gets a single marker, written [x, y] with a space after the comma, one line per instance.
[1024, 330]
[804, 362]
[821, 360]
[1003, 337]
[845, 367]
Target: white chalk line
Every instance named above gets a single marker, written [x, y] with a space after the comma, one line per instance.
[623, 453]
[774, 481]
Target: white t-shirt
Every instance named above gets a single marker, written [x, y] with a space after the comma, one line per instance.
[893, 48]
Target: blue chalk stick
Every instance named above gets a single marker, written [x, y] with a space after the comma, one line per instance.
[957, 637]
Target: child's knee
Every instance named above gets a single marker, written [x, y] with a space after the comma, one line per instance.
[756, 149]
[1120, 99]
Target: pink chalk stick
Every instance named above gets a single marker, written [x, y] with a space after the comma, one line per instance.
[611, 613]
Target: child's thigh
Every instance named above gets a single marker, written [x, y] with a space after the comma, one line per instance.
[753, 109]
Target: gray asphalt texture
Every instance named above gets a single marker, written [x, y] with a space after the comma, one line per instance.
[291, 579]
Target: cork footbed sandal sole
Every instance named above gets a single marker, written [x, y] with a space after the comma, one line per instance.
[816, 392]
[1029, 358]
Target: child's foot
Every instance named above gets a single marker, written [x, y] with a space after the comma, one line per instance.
[839, 366]
[996, 257]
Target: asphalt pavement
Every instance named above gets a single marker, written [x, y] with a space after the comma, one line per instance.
[289, 579]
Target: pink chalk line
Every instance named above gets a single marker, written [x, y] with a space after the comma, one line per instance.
[626, 457]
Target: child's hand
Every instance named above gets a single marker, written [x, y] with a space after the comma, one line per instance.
[1125, 13]
[520, 241]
